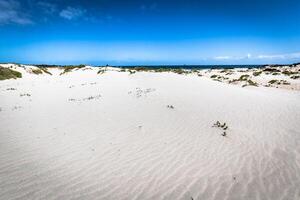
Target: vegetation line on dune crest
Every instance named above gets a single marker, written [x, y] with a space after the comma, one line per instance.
[6, 73]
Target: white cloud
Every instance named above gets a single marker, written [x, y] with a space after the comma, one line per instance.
[222, 58]
[150, 7]
[72, 13]
[11, 13]
[47, 7]
[232, 57]
[261, 57]
[280, 56]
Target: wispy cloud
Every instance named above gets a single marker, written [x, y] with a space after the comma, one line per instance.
[280, 56]
[287, 56]
[11, 13]
[248, 56]
[47, 7]
[222, 58]
[149, 7]
[71, 13]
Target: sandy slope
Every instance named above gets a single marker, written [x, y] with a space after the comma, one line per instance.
[111, 136]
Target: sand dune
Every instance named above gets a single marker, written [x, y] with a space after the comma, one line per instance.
[113, 135]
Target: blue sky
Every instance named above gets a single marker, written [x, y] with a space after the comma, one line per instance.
[121, 32]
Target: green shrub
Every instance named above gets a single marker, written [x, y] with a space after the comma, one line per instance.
[69, 68]
[288, 73]
[295, 77]
[244, 77]
[273, 81]
[257, 73]
[271, 70]
[45, 70]
[250, 83]
[279, 82]
[37, 71]
[179, 71]
[6, 73]
[101, 71]
[26, 94]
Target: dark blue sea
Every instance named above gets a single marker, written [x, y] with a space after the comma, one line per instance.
[191, 66]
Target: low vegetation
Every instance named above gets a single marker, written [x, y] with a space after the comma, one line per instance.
[37, 71]
[222, 126]
[218, 77]
[101, 71]
[271, 70]
[288, 73]
[11, 89]
[45, 70]
[278, 82]
[295, 77]
[25, 95]
[69, 68]
[257, 73]
[170, 106]
[244, 77]
[133, 70]
[6, 73]
[250, 83]
[86, 99]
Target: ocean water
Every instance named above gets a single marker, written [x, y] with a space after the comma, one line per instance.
[191, 66]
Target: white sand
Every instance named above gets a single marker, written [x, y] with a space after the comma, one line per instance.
[84, 135]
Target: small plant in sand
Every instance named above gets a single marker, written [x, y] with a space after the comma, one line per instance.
[278, 82]
[179, 71]
[218, 78]
[222, 126]
[271, 70]
[227, 71]
[275, 73]
[45, 70]
[243, 77]
[69, 68]
[295, 77]
[6, 73]
[272, 81]
[101, 71]
[37, 71]
[250, 83]
[288, 73]
[11, 89]
[170, 106]
[92, 97]
[224, 71]
[131, 72]
[86, 99]
[257, 73]
[25, 95]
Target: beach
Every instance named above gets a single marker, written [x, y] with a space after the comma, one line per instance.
[112, 133]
